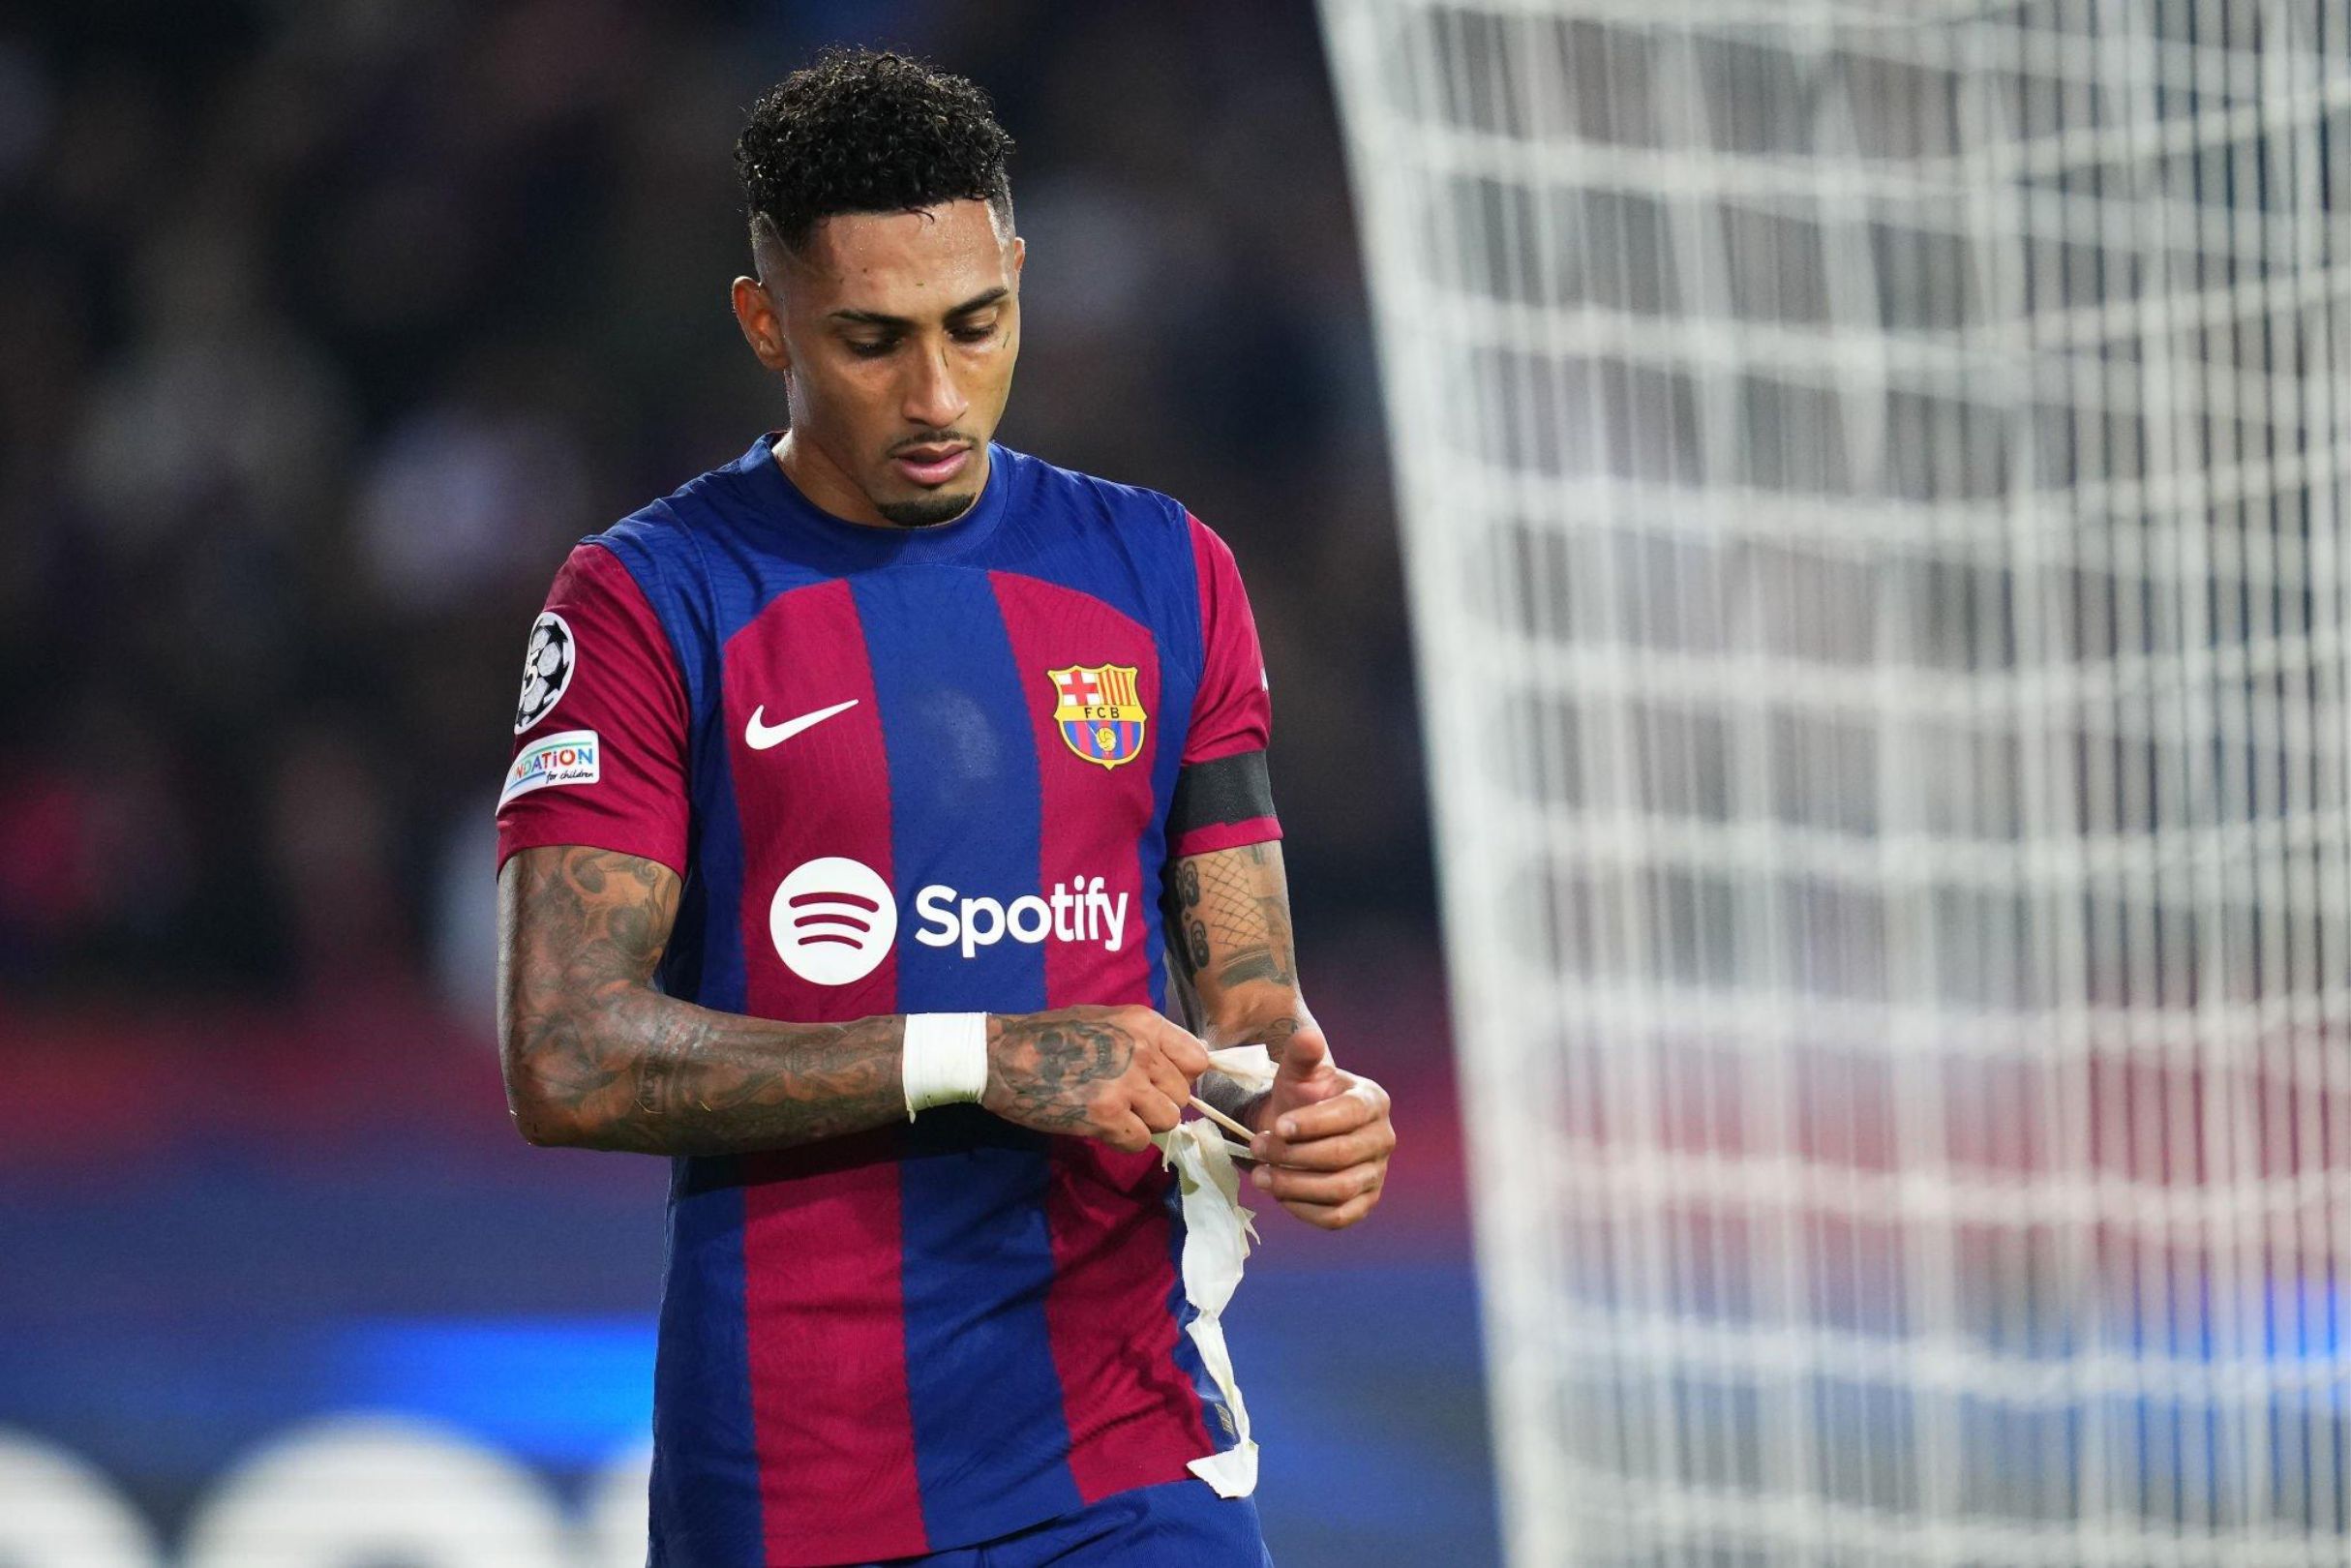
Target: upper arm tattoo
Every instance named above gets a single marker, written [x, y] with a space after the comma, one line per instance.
[593, 1051]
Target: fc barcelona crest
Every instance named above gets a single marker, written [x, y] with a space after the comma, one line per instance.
[1099, 708]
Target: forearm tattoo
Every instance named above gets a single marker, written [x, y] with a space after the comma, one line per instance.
[595, 1056]
[1232, 911]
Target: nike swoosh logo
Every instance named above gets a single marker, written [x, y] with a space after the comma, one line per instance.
[760, 736]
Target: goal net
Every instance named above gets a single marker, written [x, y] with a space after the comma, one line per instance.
[1873, 485]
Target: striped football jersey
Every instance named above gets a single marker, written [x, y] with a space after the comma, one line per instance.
[906, 770]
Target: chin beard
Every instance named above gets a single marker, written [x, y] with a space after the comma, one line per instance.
[925, 511]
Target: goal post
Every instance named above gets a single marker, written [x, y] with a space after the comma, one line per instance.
[1872, 483]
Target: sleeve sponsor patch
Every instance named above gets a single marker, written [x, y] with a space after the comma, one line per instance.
[573, 757]
[547, 669]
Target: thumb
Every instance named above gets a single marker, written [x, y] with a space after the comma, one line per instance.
[1304, 1054]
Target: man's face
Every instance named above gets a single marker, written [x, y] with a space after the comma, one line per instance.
[897, 333]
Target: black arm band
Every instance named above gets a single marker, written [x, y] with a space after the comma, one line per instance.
[1212, 794]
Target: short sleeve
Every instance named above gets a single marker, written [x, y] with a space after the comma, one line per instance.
[600, 725]
[1224, 796]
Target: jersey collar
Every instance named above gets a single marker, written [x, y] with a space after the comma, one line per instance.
[859, 545]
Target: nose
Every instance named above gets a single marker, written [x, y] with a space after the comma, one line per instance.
[933, 400]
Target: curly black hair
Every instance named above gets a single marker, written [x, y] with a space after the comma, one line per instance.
[866, 131]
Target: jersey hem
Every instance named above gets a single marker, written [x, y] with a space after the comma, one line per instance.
[511, 843]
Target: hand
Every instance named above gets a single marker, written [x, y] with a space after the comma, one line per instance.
[1323, 1137]
[1115, 1073]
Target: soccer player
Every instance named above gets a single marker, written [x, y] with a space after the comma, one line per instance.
[859, 787]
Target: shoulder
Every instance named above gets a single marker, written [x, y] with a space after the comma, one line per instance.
[1163, 538]
[667, 537]
[656, 549]
[664, 549]
[1039, 486]
[653, 543]
[1141, 517]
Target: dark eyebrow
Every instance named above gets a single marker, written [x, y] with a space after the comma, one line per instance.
[978, 302]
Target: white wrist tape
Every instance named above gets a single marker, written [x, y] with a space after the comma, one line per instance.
[945, 1059]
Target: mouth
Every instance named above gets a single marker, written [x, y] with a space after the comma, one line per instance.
[932, 464]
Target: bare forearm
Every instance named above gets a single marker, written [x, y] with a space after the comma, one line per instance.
[596, 1058]
[1233, 947]
[640, 1071]
[1231, 910]
[1324, 1136]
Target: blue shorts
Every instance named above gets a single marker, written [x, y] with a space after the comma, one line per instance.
[1179, 1524]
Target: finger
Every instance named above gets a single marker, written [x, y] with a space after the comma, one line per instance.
[1324, 1118]
[1158, 1113]
[1312, 1090]
[1333, 1187]
[1335, 1217]
[1123, 1131]
[1375, 1141]
[1163, 1076]
[1187, 1055]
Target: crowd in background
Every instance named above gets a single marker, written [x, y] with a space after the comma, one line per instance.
[326, 326]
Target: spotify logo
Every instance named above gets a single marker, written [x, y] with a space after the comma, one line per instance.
[832, 919]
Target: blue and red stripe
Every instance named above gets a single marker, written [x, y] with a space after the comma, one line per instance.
[822, 1229]
[705, 1504]
[1132, 1413]
[989, 1435]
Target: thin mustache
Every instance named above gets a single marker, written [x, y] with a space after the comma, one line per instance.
[946, 438]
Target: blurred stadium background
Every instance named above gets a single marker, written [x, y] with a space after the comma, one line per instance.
[325, 326]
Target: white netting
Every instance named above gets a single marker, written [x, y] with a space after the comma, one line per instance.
[1872, 481]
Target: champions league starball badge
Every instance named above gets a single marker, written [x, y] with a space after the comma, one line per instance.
[546, 669]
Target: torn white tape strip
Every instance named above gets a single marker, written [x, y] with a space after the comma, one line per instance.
[1218, 1230]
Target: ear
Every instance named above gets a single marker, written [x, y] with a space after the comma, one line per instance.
[761, 323]
[1021, 255]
